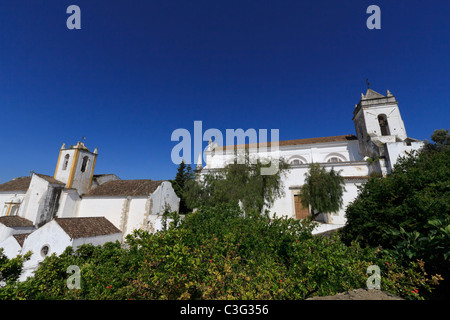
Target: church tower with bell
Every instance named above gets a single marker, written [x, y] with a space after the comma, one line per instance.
[75, 167]
[380, 129]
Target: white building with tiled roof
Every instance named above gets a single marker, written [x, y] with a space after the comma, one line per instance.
[60, 233]
[30, 206]
[380, 140]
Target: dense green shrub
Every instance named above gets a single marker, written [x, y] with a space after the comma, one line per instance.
[218, 253]
[408, 212]
[10, 269]
[417, 191]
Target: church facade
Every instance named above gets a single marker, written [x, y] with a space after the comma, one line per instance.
[379, 141]
[45, 214]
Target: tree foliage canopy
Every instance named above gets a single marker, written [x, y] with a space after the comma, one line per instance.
[237, 183]
[323, 190]
[218, 253]
[183, 176]
[408, 212]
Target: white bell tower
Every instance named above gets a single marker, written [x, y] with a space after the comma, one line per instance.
[76, 166]
[377, 119]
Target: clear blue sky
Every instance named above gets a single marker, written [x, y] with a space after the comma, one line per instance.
[139, 69]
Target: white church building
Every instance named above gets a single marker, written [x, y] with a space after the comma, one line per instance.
[45, 214]
[380, 140]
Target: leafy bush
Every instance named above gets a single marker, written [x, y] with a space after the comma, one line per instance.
[417, 191]
[218, 253]
[408, 212]
[238, 183]
[10, 269]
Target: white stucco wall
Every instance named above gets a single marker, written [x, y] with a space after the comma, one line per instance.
[5, 232]
[11, 248]
[50, 234]
[8, 197]
[307, 153]
[139, 209]
[81, 179]
[53, 236]
[97, 241]
[34, 199]
[108, 207]
[68, 203]
[164, 196]
[61, 173]
[400, 149]
[130, 213]
[352, 165]
[395, 122]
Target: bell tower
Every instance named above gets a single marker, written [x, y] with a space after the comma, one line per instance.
[75, 167]
[377, 119]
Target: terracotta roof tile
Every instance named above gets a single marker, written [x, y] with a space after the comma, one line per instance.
[17, 184]
[341, 138]
[87, 227]
[49, 179]
[21, 237]
[23, 183]
[125, 188]
[15, 221]
[356, 177]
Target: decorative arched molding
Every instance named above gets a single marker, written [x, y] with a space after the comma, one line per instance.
[293, 160]
[335, 157]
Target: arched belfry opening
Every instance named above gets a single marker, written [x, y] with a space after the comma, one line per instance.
[384, 126]
[85, 163]
[66, 162]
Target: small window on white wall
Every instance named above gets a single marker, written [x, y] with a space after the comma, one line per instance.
[44, 250]
[297, 160]
[334, 159]
[66, 162]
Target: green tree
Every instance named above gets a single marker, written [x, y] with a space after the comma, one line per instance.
[218, 253]
[183, 176]
[323, 190]
[441, 139]
[10, 269]
[238, 183]
[408, 212]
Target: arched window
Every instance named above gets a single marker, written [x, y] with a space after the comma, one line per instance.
[297, 160]
[14, 210]
[5, 210]
[384, 127]
[66, 162]
[334, 159]
[85, 163]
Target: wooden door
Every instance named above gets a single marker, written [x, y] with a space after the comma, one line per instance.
[300, 211]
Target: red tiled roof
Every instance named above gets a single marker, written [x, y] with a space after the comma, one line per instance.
[356, 177]
[341, 138]
[15, 221]
[125, 188]
[87, 227]
[23, 183]
[17, 184]
[49, 179]
[21, 237]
